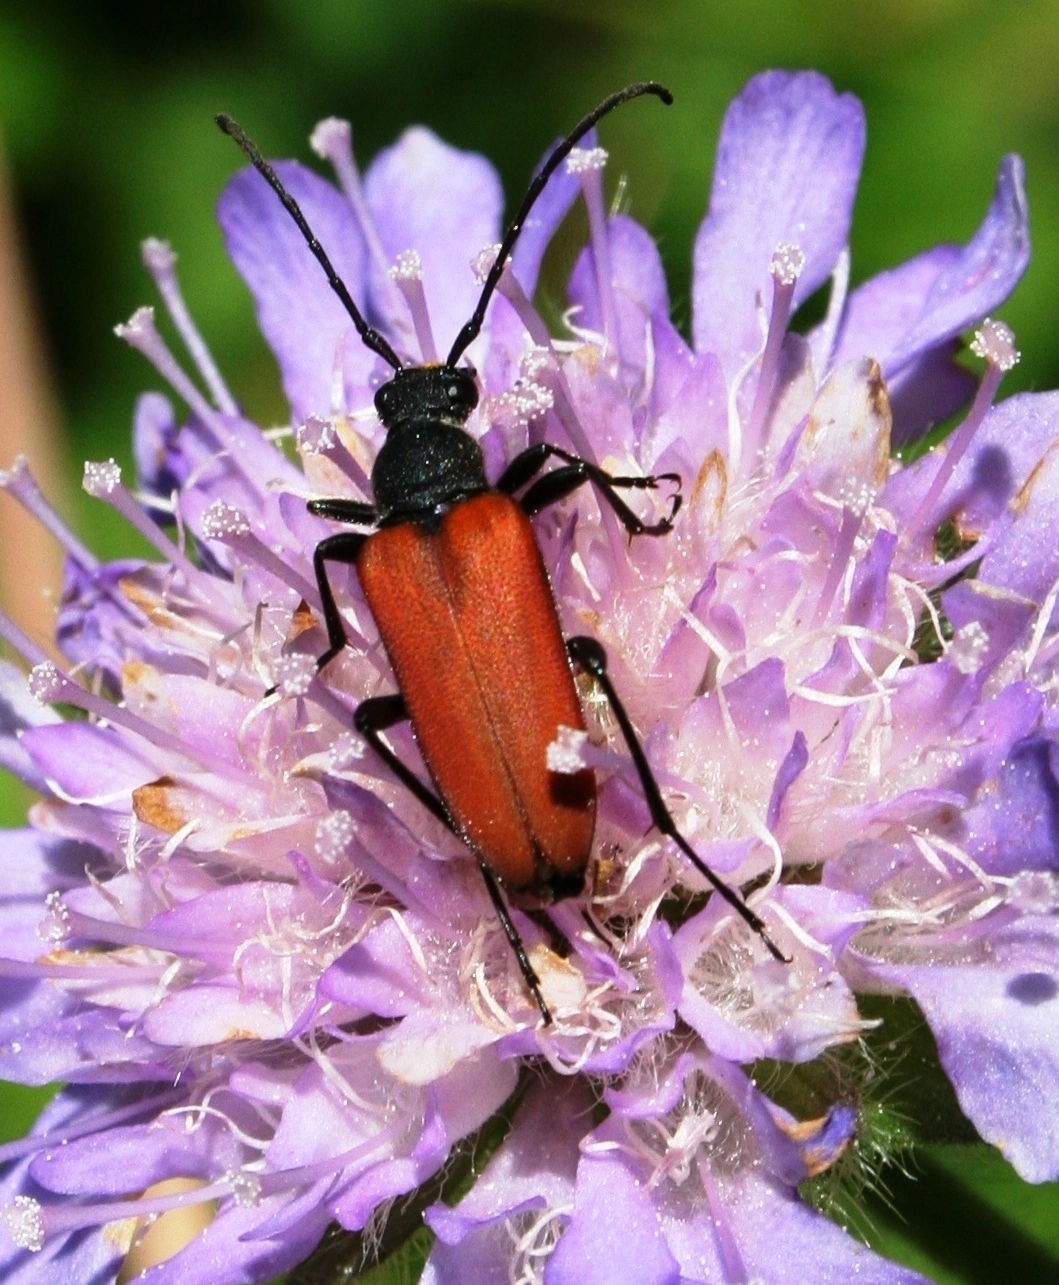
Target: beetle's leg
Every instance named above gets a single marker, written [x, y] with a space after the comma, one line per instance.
[527, 970]
[356, 512]
[344, 547]
[560, 483]
[373, 716]
[589, 654]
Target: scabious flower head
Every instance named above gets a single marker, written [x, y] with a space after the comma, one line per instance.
[263, 969]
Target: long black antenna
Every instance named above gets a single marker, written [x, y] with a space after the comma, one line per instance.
[371, 337]
[470, 331]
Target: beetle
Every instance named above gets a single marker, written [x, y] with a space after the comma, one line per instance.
[452, 574]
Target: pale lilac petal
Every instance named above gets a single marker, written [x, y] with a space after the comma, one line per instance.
[638, 289]
[787, 166]
[445, 204]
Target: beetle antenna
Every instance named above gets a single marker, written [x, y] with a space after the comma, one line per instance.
[371, 337]
[470, 331]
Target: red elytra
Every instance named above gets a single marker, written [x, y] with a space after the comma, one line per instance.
[467, 618]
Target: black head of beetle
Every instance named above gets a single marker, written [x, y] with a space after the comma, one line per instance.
[427, 394]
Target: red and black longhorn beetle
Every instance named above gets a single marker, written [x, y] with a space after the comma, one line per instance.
[454, 579]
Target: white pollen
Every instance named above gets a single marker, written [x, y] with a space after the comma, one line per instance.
[16, 473]
[46, 682]
[101, 477]
[330, 134]
[346, 751]
[566, 753]
[583, 160]
[223, 521]
[969, 646]
[55, 926]
[294, 674]
[25, 1223]
[856, 495]
[333, 835]
[482, 263]
[408, 266]
[245, 1187]
[158, 256]
[140, 323]
[533, 361]
[788, 262]
[994, 342]
[1035, 892]
[315, 436]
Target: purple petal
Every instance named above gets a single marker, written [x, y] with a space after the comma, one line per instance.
[19, 711]
[305, 324]
[119, 1160]
[778, 1238]
[86, 1257]
[154, 435]
[997, 1026]
[615, 1232]
[445, 204]
[980, 279]
[638, 289]
[90, 762]
[228, 1252]
[1015, 824]
[880, 313]
[1023, 554]
[697, 413]
[533, 1168]
[927, 391]
[787, 167]
[549, 210]
[1013, 439]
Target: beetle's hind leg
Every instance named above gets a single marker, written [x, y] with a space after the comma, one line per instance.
[589, 654]
[375, 715]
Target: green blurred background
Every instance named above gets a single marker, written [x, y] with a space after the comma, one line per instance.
[106, 120]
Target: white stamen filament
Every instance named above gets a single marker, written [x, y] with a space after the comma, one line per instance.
[994, 342]
[21, 483]
[407, 275]
[159, 259]
[787, 264]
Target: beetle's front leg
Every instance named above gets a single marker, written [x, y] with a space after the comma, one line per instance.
[556, 485]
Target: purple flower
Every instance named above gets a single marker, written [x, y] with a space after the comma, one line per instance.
[263, 969]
